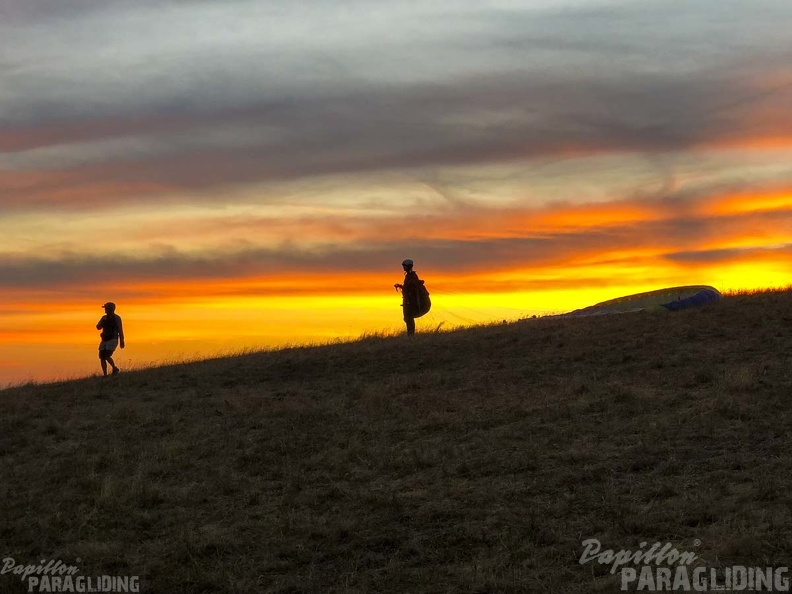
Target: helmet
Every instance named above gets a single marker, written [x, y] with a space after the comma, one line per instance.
[408, 263]
[109, 306]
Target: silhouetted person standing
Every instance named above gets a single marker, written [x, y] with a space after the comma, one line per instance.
[112, 335]
[409, 295]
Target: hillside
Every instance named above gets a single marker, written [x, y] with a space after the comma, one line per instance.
[470, 461]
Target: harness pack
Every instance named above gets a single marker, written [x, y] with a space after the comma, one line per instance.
[424, 303]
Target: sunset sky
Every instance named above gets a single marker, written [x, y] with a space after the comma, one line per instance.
[240, 174]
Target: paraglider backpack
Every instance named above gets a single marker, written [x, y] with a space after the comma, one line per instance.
[424, 304]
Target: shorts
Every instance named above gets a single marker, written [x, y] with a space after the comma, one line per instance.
[106, 347]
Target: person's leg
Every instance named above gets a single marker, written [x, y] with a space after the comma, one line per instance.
[410, 322]
[106, 357]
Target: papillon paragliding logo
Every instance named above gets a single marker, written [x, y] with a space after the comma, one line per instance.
[56, 576]
[662, 568]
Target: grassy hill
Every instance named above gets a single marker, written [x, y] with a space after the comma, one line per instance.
[470, 461]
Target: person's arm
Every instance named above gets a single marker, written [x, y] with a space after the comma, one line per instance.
[99, 325]
[120, 334]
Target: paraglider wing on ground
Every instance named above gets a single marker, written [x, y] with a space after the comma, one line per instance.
[670, 299]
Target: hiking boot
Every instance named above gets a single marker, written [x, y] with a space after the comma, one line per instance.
[116, 370]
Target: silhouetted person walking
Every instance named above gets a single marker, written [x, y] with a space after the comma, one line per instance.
[112, 335]
[409, 295]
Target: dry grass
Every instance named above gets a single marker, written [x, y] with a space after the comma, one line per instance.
[466, 461]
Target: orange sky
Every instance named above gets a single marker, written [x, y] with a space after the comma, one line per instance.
[549, 264]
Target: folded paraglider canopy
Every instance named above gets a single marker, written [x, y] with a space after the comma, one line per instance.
[671, 299]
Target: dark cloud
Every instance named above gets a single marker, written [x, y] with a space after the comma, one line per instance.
[191, 108]
[725, 256]
[448, 256]
[481, 120]
[22, 12]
